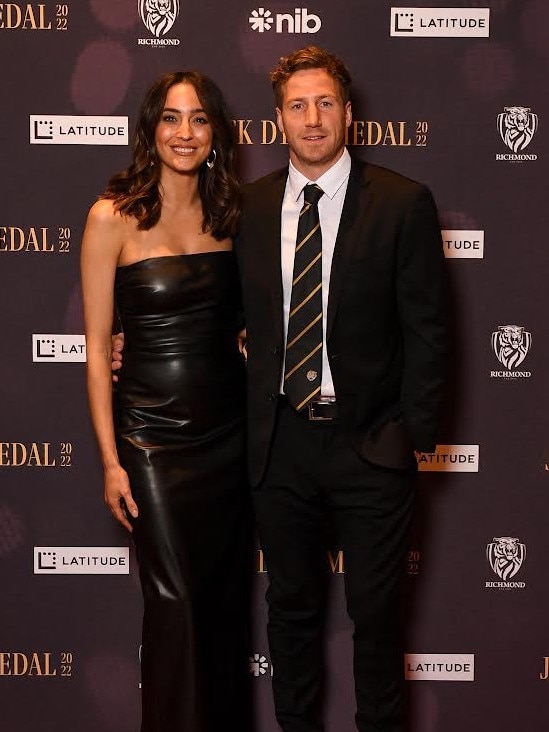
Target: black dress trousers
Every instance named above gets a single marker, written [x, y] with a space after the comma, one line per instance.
[315, 483]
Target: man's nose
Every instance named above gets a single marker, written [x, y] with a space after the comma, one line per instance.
[312, 116]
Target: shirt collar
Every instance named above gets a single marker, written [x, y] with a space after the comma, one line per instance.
[330, 181]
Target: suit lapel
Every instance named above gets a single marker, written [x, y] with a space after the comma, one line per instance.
[351, 229]
[271, 226]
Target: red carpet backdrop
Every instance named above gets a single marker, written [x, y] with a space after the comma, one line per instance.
[453, 94]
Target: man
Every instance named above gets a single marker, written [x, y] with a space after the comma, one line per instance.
[333, 429]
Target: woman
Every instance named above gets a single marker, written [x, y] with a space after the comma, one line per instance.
[157, 246]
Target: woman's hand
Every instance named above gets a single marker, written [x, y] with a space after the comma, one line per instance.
[117, 348]
[241, 339]
[118, 495]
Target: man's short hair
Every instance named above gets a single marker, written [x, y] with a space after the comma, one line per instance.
[311, 57]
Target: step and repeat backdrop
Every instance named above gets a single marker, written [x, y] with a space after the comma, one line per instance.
[450, 93]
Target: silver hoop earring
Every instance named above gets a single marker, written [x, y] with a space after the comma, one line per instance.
[210, 162]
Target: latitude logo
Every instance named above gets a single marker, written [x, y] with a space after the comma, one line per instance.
[439, 666]
[517, 126]
[46, 560]
[62, 129]
[158, 16]
[440, 22]
[511, 344]
[506, 555]
[53, 348]
[81, 560]
[301, 21]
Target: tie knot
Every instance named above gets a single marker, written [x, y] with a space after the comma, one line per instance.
[312, 193]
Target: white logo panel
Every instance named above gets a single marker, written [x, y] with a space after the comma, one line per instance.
[463, 243]
[55, 129]
[450, 459]
[53, 348]
[439, 666]
[440, 22]
[81, 560]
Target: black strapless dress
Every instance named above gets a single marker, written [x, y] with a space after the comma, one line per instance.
[179, 419]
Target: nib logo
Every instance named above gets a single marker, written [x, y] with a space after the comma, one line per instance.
[258, 665]
[261, 20]
[301, 21]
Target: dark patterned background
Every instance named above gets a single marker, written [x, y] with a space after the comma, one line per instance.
[69, 643]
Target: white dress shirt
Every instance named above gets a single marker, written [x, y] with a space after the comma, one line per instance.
[334, 184]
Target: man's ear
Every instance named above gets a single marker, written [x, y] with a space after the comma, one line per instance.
[348, 114]
[279, 121]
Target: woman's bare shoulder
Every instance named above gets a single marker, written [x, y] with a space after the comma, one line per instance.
[104, 214]
[104, 219]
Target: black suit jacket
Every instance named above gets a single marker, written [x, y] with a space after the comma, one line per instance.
[385, 321]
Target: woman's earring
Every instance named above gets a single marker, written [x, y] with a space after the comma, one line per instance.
[210, 162]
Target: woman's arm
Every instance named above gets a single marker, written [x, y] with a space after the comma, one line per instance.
[101, 246]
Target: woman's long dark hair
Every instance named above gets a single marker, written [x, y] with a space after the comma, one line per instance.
[135, 191]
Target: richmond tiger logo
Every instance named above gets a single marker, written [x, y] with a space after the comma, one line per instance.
[158, 16]
[517, 126]
[506, 555]
[511, 344]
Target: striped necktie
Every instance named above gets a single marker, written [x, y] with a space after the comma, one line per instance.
[303, 366]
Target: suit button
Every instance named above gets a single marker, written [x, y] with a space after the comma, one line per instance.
[276, 350]
[273, 397]
[334, 357]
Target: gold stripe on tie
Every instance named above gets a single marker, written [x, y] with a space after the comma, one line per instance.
[306, 300]
[305, 310]
[307, 268]
[295, 368]
[306, 239]
[311, 395]
[298, 336]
